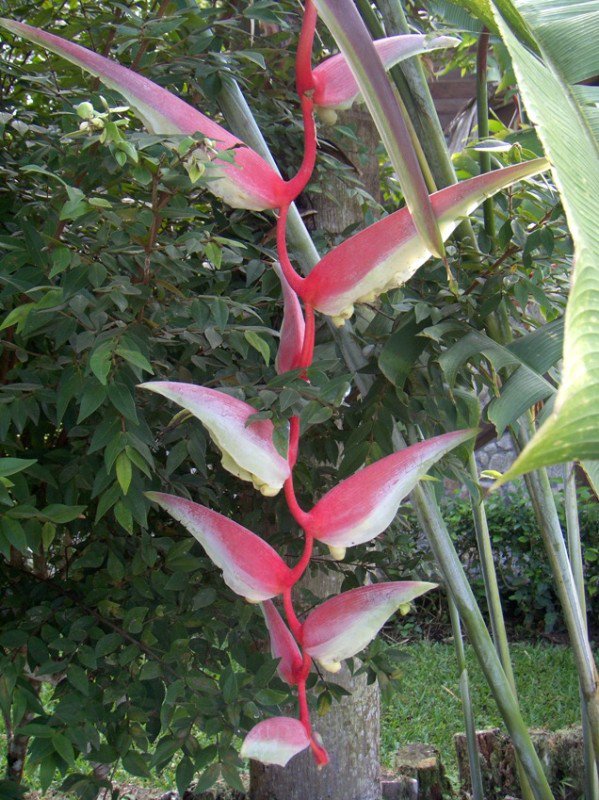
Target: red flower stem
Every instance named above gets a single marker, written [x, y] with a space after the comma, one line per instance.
[295, 625]
[301, 565]
[304, 79]
[307, 353]
[297, 184]
[299, 515]
[293, 279]
[305, 89]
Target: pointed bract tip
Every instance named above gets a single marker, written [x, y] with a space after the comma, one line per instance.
[275, 741]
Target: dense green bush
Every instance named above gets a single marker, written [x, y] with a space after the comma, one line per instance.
[530, 604]
[525, 581]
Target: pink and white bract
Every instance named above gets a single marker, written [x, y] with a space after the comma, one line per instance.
[282, 644]
[251, 568]
[363, 505]
[342, 626]
[275, 741]
[336, 87]
[247, 449]
[292, 329]
[385, 255]
[244, 181]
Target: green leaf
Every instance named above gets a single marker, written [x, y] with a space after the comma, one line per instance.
[123, 471]
[63, 747]
[10, 466]
[77, 677]
[94, 395]
[258, 343]
[108, 644]
[135, 357]
[100, 361]
[14, 533]
[122, 399]
[184, 774]
[207, 779]
[232, 777]
[571, 431]
[60, 513]
[61, 260]
[17, 316]
[136, 764]
[124, 516]
[401, 350]
[46, 773]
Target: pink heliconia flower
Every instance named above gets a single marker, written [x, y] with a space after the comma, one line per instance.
[249, 182]
[337, 89]
[363, 505]
[247, 449]
[282, 644]
[386, 254]
[251, 568]
[275, 741]
[342, 626]
[292, 330]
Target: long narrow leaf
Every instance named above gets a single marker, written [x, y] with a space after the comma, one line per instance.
[350, 33]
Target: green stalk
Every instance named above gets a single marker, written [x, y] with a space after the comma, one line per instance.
[476, 778]
[544, 504]
[352, 36]
[243, 123]
[591, 779]
[483, 541]
[482, 115]
[410, 79]
[432, 523]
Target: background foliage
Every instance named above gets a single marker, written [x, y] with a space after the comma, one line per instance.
[118, 266]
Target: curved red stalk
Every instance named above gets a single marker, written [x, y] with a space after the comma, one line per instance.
[305, 85]
[304, 79]
[307, 353]
[291, 276]
[305, 88]
[295, 626]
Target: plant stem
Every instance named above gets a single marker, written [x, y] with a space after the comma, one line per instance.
[591, 780]
[354, 41]
[485, 551]
[432, 523]
[482, 115]
[547, 517]
[473, 755]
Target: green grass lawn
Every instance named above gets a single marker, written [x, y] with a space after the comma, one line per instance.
[427, 707]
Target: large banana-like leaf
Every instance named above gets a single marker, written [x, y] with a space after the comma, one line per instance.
[571, 432]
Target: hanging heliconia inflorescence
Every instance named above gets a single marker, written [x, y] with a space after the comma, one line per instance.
[372, 261]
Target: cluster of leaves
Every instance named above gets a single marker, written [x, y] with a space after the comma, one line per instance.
[526, 584]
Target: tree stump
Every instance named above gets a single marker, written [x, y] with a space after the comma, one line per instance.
[561, 753]
[422, 764]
